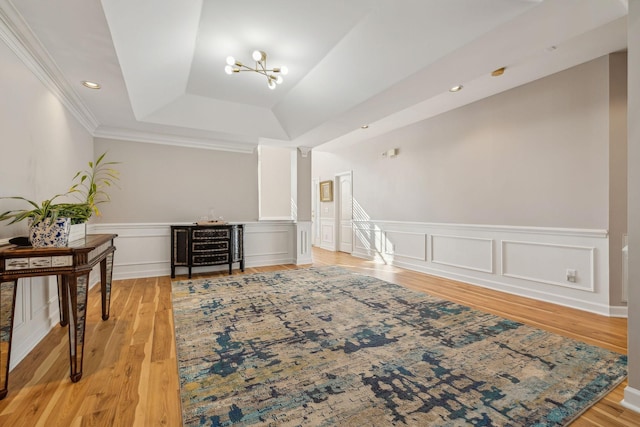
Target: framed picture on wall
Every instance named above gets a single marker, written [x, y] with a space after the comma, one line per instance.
[326, 191]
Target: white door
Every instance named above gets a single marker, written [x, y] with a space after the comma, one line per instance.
[345, 212]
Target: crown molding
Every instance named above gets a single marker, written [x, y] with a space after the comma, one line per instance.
[179, 141]
[19, 37]
[304, 151]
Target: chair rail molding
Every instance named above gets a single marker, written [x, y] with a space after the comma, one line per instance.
[144, 248]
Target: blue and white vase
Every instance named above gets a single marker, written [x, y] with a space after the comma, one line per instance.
[44, 234]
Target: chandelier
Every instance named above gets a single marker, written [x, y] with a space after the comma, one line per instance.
[273, 75]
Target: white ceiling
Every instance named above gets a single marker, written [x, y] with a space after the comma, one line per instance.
[378, 62]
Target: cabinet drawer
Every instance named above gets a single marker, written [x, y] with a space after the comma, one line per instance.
[210, 245]
[210, 258]
[212, 233]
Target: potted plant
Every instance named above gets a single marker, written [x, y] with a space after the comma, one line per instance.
[90, 189]
[50, 223]
[46, 221]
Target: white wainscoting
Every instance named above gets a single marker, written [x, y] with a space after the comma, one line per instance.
[304, 254]
[406, 244]
[143, 249]
[36, 313]
[527, 261]
[470, 253]
[328, 233]
[521, 260]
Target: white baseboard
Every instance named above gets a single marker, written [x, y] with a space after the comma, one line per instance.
[631, 399]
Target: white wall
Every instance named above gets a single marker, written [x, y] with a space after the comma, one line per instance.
[509, 192]
[41, 148]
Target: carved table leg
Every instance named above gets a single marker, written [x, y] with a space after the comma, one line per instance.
[7, 312]
[78, 287]
[106, 274]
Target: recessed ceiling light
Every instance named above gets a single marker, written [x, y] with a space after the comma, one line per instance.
[90, 85]
[364, 127]
[456, 88]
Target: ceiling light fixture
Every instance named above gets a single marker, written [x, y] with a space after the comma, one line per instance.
[90, 85]
[273, 75]
[456, 88]
[498, 72]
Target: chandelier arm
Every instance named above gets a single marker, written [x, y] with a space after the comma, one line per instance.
[272, 74]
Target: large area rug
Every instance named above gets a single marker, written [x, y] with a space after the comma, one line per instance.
[328, 347]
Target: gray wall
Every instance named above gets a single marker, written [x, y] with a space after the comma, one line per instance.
[304, 185]
[161, 183]
[536, 155]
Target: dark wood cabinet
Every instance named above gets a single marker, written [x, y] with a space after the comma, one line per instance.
[204, 245]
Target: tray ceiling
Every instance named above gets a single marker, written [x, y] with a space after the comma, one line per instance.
[381, 63]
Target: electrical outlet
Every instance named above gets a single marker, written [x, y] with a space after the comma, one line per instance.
[571, 275]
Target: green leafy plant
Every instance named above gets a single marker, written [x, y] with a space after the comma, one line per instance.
[40, 212]
[90, 190]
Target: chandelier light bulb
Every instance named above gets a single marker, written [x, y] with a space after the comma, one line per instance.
[231, 61]
[271, 84]
[258, 55]
[228, 69]
[279, 79]
[284, 70]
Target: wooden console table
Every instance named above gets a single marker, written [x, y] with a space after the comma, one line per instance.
[72, 265]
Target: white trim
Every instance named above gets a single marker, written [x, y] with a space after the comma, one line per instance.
[276, 218]
[595, 308]
[578, 232]
[143, 248]
[431, 252]
[304, 255]
[625, 268]
[174, 140]
[393, 251]
[619, 311]
[631, 399]
[473, 267]
[591, 250]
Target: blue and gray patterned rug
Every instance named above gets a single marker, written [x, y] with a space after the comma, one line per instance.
[328, 347]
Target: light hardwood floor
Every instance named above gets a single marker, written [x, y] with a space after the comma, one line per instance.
[130, 372]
